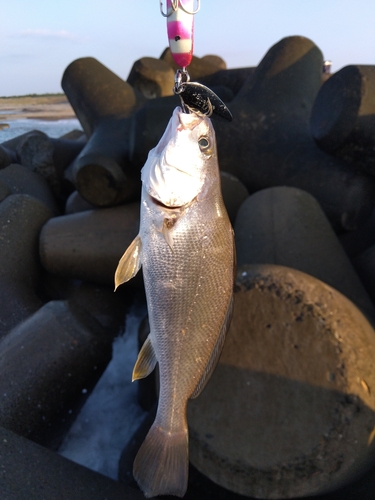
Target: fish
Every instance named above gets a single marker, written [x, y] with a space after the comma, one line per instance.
[185, 247]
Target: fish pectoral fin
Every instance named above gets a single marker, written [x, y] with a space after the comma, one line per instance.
[215, 355]
[130, 262]
[146, 361]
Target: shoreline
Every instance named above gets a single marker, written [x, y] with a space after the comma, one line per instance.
[49, 108]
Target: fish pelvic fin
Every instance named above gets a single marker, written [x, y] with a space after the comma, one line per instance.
[146, 361]
[216, 352]
[130, 263]
[161, 464]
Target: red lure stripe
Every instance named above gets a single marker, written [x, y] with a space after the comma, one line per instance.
[180, 28]
[177, 28]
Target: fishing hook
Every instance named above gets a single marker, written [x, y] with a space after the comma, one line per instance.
[175, 4]
[182, 76]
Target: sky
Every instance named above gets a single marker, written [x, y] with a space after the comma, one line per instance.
[39, 38]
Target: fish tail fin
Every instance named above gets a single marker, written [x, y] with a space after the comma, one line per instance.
[161, 465]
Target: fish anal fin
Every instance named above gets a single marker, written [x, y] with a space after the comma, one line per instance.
[146, 361]
[161, 465]
[130, 262]
[215, 355]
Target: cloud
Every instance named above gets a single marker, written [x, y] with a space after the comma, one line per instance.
[44, 34]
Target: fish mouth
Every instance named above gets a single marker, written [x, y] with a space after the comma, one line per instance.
[161, 204]
[187, 121]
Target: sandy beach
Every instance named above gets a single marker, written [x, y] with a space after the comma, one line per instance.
[48, 107]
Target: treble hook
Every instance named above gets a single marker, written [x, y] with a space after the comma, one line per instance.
[175, 4]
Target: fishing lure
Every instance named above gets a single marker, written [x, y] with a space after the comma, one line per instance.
[195, 97]
[180, 29]
[198, 98]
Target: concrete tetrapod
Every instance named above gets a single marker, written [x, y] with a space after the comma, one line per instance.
[33, 472]
[21, 220]
[152, 77]
[269, 143]
[22, 180]
[88, 245]
[47, 365]
[103, 103]
[290, 408]
[7, 156]
[199, 66]
[343, 116]
[287, 226]
[49, 158]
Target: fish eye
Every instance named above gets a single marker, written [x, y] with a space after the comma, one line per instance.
[204, 143]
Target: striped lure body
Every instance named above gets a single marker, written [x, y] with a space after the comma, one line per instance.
[180, 24]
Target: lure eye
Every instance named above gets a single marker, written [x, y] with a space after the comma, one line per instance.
[204, 144]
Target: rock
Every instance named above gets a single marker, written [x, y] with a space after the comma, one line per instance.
[75, 135]
[286, 226]
[356, 242]
[88, 245]
[234, 194]
[49, 158]
[152, 77]
[289, 411]
[214, 61]
[21, 180]
[292, 388]
[102, 173]
[198, 67]
[103, 103]
[364, 264]
[233, 79]
[268, 143]
[12, 144]
[95, 92]
[107, 308]
[7, 156]
[4, 190]
[21, 220]
[343, 116]
[48, 363]
[28, 467]
[75, 203]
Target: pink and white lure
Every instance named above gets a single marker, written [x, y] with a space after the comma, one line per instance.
[180, 28]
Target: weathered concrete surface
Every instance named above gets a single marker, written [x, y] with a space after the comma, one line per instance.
[343, 116]
[88, 245]
[21, 219]
[30, 472]
[290, 408]
[286, 226]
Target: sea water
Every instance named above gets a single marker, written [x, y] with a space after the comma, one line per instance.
[53, 128]
[111, 413]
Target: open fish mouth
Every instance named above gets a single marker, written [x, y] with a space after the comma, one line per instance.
[163, 205]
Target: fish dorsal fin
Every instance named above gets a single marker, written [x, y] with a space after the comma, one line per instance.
[130, 262]
[215, 355]
[146, 361]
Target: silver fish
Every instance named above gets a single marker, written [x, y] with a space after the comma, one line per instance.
[186, 248]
